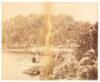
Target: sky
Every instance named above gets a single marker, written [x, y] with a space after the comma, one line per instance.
[80, 11]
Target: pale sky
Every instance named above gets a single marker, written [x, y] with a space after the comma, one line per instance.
[80, 11]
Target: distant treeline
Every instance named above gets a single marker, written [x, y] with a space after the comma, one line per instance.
[30, 31]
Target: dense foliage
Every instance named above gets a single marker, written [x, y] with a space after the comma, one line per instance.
[81, 37]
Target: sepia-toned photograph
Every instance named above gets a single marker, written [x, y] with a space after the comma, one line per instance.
[50, 41]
